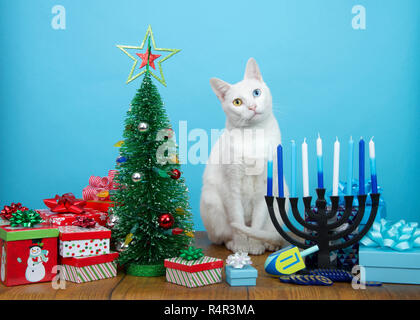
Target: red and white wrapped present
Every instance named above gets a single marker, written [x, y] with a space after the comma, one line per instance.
[194, 273]
[67, 219]
[85, 269]
[76, 241]
[97, 193]
[102, 206]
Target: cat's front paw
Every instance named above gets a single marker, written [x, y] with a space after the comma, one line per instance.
[271, 247]
[238, 245]
[256, 247]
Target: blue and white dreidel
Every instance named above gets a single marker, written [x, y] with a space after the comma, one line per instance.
[287, 261]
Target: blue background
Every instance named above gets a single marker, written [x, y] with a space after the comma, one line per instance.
[64, 98]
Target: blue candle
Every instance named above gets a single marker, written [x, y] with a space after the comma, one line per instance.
[280, 170]
[270, 172]
[319, 162]
[372, 158]
[350, 166]
[293, 175]
[361, 166]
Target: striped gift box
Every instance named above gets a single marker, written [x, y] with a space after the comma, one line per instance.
[85, 269]
[194, 273]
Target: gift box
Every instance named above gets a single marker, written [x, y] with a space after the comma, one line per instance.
[194, 273]
[390, 266]
[102, 206]
[85, 269]
[348, 257]
[245, 276]
[97, 193]
[81, 242]
[4, 222]
[390, 252]
[28, 255]
[67, 219]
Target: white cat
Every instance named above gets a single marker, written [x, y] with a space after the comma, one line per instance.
[233, 207]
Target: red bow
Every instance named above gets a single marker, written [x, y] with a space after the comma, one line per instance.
[67, 203]
[98, 185]
[84, 222]
[7, 211]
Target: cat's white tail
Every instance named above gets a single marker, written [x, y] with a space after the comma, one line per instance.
[271, 237]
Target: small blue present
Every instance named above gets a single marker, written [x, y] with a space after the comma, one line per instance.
[246, 276]
[390, 252]
[239, 271]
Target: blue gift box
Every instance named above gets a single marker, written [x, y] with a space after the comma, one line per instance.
[388, 265]
[246, 276]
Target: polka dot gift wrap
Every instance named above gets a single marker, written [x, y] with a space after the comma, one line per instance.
[81, 242]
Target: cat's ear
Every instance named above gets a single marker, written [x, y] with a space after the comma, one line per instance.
[219, 87]
[252, 71]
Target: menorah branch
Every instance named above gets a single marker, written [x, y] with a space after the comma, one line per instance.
[357, 237]
[346, 215]
[355, 223]
[269, 200]
[299, 219]
[286, 221]
[334, 207]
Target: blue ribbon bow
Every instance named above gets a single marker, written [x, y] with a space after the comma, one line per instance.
[399, 236]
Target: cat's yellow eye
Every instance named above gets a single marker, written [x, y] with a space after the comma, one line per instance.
[237, 102]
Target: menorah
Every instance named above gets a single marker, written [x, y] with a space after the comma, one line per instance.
[320, 232]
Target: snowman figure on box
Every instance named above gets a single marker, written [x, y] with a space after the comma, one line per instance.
[35, 271]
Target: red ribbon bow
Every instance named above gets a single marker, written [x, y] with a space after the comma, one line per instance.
[98, 184]
[8, 211]
[84, 222]
[67, 203]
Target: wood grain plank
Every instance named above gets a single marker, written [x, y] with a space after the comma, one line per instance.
[158, 288]
[268, 288]
[95, 290]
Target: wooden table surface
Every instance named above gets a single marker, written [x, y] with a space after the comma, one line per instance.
[124, 287]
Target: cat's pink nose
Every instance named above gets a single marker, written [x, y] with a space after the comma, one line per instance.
[253, 108]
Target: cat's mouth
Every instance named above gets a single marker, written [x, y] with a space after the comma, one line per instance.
[254, 115]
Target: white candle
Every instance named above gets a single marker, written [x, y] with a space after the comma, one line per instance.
[305, 175]
[336, 167]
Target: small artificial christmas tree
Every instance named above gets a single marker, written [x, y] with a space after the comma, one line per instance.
[151, 209]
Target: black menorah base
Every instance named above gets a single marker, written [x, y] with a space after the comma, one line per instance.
[320, 231]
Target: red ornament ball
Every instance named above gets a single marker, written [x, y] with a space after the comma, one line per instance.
[175, 174]
[166, 220]
[176, 231]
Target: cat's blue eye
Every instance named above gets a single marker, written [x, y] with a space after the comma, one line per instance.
[256, 92]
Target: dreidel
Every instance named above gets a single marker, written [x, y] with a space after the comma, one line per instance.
[287, 261]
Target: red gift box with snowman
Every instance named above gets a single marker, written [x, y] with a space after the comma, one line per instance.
[28, 255]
